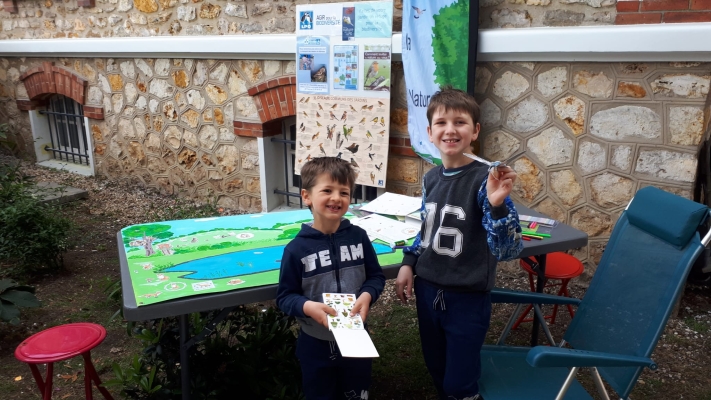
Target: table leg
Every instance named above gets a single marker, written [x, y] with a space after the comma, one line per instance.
[184, 361]
[48, 382]
[540, 284]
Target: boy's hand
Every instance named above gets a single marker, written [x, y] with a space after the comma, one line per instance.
[318, 312]
[362, 305]
[499, 185]
[404, 280]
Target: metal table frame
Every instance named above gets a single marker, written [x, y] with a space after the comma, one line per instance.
[564, 238]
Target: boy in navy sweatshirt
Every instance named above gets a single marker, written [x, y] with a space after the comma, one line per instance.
[328, 256]
[468, 223]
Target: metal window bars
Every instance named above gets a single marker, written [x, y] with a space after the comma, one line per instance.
[66, 128]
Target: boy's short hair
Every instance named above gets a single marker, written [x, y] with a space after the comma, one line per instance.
[453, 99]
[339, 170]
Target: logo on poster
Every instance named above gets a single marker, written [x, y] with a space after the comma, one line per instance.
[306, 20]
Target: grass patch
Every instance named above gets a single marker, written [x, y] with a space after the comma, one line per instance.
[696, 326]
[399, 372]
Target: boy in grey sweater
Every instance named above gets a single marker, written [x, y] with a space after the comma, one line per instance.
[468, 223]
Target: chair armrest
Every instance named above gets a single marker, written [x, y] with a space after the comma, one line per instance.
[517, 297]
[542, 356]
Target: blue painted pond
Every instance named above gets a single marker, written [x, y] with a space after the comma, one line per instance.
[241, 263]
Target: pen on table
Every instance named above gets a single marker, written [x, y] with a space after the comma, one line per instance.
[529, 237]
[543, 235]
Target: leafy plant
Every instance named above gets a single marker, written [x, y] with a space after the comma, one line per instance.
[14, 296]
[250, 353]
[33, 234]
[4, 138]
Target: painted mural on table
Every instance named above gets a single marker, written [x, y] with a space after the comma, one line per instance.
[173, 259]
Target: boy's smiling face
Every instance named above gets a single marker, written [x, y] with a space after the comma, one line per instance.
[329, 202]
[452, 132]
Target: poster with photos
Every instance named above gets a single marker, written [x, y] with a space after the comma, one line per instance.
[343, 86]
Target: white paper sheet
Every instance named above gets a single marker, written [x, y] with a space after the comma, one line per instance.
[386, 229]
[355, 343]
[393, 204]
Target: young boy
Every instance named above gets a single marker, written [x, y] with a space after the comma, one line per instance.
[328, 256]
[468, 223]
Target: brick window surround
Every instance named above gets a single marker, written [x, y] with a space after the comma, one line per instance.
[276, 99]
[43, 81]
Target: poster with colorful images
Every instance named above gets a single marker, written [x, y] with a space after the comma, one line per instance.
[354, 129]
[347, 46]
[376, 65]
[345, 67]
[173, 259]
[312, 65]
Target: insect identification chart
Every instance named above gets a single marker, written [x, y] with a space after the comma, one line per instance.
[344, 53]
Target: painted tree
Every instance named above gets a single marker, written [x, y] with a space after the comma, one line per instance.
[145, 235]
[450, 44]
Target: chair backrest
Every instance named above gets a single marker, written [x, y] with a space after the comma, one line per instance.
[639, 278]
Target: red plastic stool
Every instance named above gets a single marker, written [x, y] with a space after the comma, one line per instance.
[559, 266]
[58, 344]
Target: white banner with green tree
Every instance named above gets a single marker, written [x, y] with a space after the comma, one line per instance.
[434, 54]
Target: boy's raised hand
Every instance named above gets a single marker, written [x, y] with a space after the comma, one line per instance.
[318, 312]
[404, 281]
[499, 184]
[362, 305]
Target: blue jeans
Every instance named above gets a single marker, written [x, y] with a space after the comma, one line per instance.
[453, 326]
[328, 376]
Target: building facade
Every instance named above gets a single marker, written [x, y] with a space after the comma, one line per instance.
[196, 98]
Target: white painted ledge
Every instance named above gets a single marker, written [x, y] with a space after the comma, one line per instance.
[609, 43]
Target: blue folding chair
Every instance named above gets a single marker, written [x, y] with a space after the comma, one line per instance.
[624, 311]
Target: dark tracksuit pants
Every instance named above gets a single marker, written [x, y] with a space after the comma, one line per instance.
[453, 326]
[328, 376]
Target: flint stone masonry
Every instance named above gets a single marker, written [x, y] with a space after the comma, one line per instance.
[551, 209]
[483, 76]
[610, 190]
[667, 165]
[527, 116]
[566, 187]
[681, 85]
[591, 157]
[591, 221]
[490, 114]
[571, 110]
[621, 157]
[552, 82]
[500, 145]
[631, 89]
[531, 179]
[592, 3]
[551, 147]
[686, 125]
[507, 18]
[626, 123]
[596, 85]
[563, 18]
[510, 86]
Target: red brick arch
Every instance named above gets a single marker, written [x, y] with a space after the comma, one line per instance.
[275, 100]
[43, 81]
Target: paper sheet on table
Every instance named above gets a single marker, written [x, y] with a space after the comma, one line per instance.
[393, 204]
[386, 229]
[355, 343]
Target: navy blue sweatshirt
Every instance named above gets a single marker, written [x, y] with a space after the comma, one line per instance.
[315, 263]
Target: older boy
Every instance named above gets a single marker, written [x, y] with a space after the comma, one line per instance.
[468, 223]
[328, 256]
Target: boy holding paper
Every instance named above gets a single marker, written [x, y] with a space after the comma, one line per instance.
[468, 223]
[329, 255]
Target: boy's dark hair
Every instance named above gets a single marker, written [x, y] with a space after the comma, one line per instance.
[453, 99]
[339, 170]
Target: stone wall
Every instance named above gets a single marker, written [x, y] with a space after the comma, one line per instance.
[168, 122]
[593, 134]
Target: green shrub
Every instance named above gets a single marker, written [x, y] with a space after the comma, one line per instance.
[33, 234]
[13, 296]
[250, 355]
